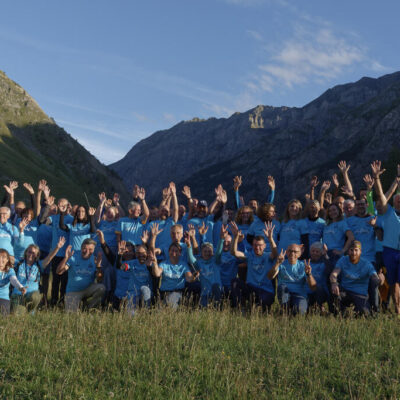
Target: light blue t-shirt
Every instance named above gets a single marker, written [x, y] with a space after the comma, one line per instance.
[355, 277]
[334, 235]
[163, 240]
[8, 233]
[122, 280]
[131, 229]
[77, 234]
[314, 229]
[294, 277]
[391, 232]
[290, 233]
[257, 271]
[81, 272]
[29, 277]
[57, 232]
[28, 237]
[139, 276]
[44, 237]
[318, 272]
[5, 283]
[228, 268]
[108, 228]
[364, 233]
[208, 221]
[257, 229]
[173, 276]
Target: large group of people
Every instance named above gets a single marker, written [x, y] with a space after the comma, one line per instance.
[326, 252]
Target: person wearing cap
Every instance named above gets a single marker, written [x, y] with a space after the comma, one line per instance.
[202, 217]
[389, 218]
[355, 274]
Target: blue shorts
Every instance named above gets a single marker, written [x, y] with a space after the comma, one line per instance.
[391, 260]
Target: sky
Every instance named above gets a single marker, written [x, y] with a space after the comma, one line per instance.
[113, 72]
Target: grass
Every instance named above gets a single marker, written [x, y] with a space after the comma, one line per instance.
[197, 355]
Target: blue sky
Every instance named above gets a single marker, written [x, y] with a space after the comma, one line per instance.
[113, 72]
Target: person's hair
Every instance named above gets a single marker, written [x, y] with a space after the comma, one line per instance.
[263, 211]
[85, 220]
[177, 245]
[258, 238]
[317, 245]
[138, 246]
[177, 226]
[33, 246]
[307, 207]
[348, 201]
[239, 216]
[340, 214]
[28, 211]
[89, 241]
[133, 204]
[207, 244]
[9, 263]
[286, 216]
[7, 209]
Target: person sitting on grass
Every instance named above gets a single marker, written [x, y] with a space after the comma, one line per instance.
[28, 273]
[259, 264]
[7, 276]
[355, 274]
[174, 272]
[83, 269]
[293, 277]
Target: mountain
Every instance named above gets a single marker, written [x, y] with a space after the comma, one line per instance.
[357, 122]
[33, 146]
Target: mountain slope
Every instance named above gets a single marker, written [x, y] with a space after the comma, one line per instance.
[32, 147]
[358, 122]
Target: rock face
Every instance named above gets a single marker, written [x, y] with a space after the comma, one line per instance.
[33, 147]
[357, 122]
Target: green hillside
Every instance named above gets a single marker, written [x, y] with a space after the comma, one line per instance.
[33, 146]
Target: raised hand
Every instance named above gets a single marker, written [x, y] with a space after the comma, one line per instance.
[369, 181]
[145, 236]
[165, 193]
[116, 199]
[307, 267]
[372, 221]
[186, 192]
[269, 230]
[237, 182]
[335, 180]
[172, 188]
[271, 182]
[100, 235]
[234, 229]
[224, 231]
[42, 184]
[155, 231]
[102, 197]
[46, 193]
[91, 211]
[223, 196]
[186, 238]
[141, 194]
[225, 217]
[135, 192]
[343, 167]
[377, 171]
[13, 185]
[29, 188]
[218, 192]
[121, 247]
[203, 228]
[191, 230]
[50, 200]
[281, 257]
[23, 224]
[61, 242]
[328, 198]
[325, 185]
[69, 252]
[151, 259]
[314, 182]
[347, 192]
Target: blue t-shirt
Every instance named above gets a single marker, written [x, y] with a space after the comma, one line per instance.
[228, 268]
[391, 232]
[364, 233]
[28, 237]
[131, 229]
[294, 277]
[81, 272]
[314, 229]
[208, 221]
[318, 272]
[182, 258]
[257, 271]
[108, 228]
[355, 277]
[5, 283]
[164, 238]
[139, 276]
[8, 233]
[57, 232]
[244, 246]
[29, 277]
[334, 235]
[77, 234]
[257, 228]
[173, 276]
[290, 233]
[209, 274]
[44, 236]
[123, 276]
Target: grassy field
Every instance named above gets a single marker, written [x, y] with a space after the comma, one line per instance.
[197, 355]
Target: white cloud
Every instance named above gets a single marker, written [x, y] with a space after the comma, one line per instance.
[103, 152]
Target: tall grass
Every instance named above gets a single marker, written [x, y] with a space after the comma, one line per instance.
[197, 355]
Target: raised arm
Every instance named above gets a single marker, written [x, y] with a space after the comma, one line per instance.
[61, 223]
[377, 171]
[100, 207]
[188, 194]
[145, 209]
[312, 283]
[115, 200]
[41, 186]
[220, 246]
[271, 184]
[53, 253]
[92, 223]
[191, 258]
[273, 272]
[31, 192]
[313, 184]
[269, 233]
[63, 266]
[106, 249]
[237, 182]
[344, 169]
[174, 198]
[234, 244]
[324, 188]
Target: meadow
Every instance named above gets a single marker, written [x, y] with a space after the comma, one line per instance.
[197, 355]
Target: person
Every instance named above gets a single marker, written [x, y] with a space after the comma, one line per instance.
[390, 220]
[83, 269]
[355, 274]
[7, 276]
[229, 267]
[208, 264]
[8, 232]
[28, 272]
[337, 235]
[313, 226]
[28, 227]
[130, 228]
[294, 276]
[259, 264]
[244, 218]
[174, 273]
